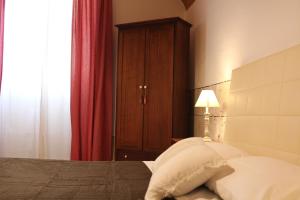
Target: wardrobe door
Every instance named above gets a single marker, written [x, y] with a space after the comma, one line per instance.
[131, 60]
[158, 82]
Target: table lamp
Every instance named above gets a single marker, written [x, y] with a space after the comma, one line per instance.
[207, 99]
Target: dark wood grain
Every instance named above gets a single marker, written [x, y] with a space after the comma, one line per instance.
[154, 54]
[159, 80]
[131, 155]
[130, 77]
[181, 97]
[171, 20]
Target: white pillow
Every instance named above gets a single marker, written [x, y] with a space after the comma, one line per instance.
[257, 178]
[184, 172]
[175, 149]
[226, 151]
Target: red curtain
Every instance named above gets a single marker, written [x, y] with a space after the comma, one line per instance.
[2, 3]
[91, 84]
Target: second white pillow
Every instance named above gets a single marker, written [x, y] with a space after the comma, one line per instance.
[226, 151]
[184, 172]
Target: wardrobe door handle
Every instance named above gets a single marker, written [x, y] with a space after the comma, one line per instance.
[145, 94]
[141, 98]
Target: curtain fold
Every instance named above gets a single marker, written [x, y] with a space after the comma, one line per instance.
[91, 80]
[2, 5]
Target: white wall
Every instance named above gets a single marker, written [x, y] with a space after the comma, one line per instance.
[229, 33]
[136, 10]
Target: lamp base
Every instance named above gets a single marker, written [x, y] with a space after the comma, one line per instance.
[207, 139]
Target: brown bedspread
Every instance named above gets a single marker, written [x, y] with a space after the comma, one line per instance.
[27, 179]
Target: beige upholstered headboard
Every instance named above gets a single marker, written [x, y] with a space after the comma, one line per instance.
[264, 107]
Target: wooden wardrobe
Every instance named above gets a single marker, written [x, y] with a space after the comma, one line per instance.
[152, 87]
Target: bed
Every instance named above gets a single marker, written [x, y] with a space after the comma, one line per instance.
[49, 179]
[263, 120]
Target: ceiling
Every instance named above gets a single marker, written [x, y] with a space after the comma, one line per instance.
[187, 3]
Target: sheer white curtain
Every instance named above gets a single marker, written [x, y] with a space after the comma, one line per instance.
[35, 96]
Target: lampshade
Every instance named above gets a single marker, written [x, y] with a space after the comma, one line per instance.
[207, 98]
